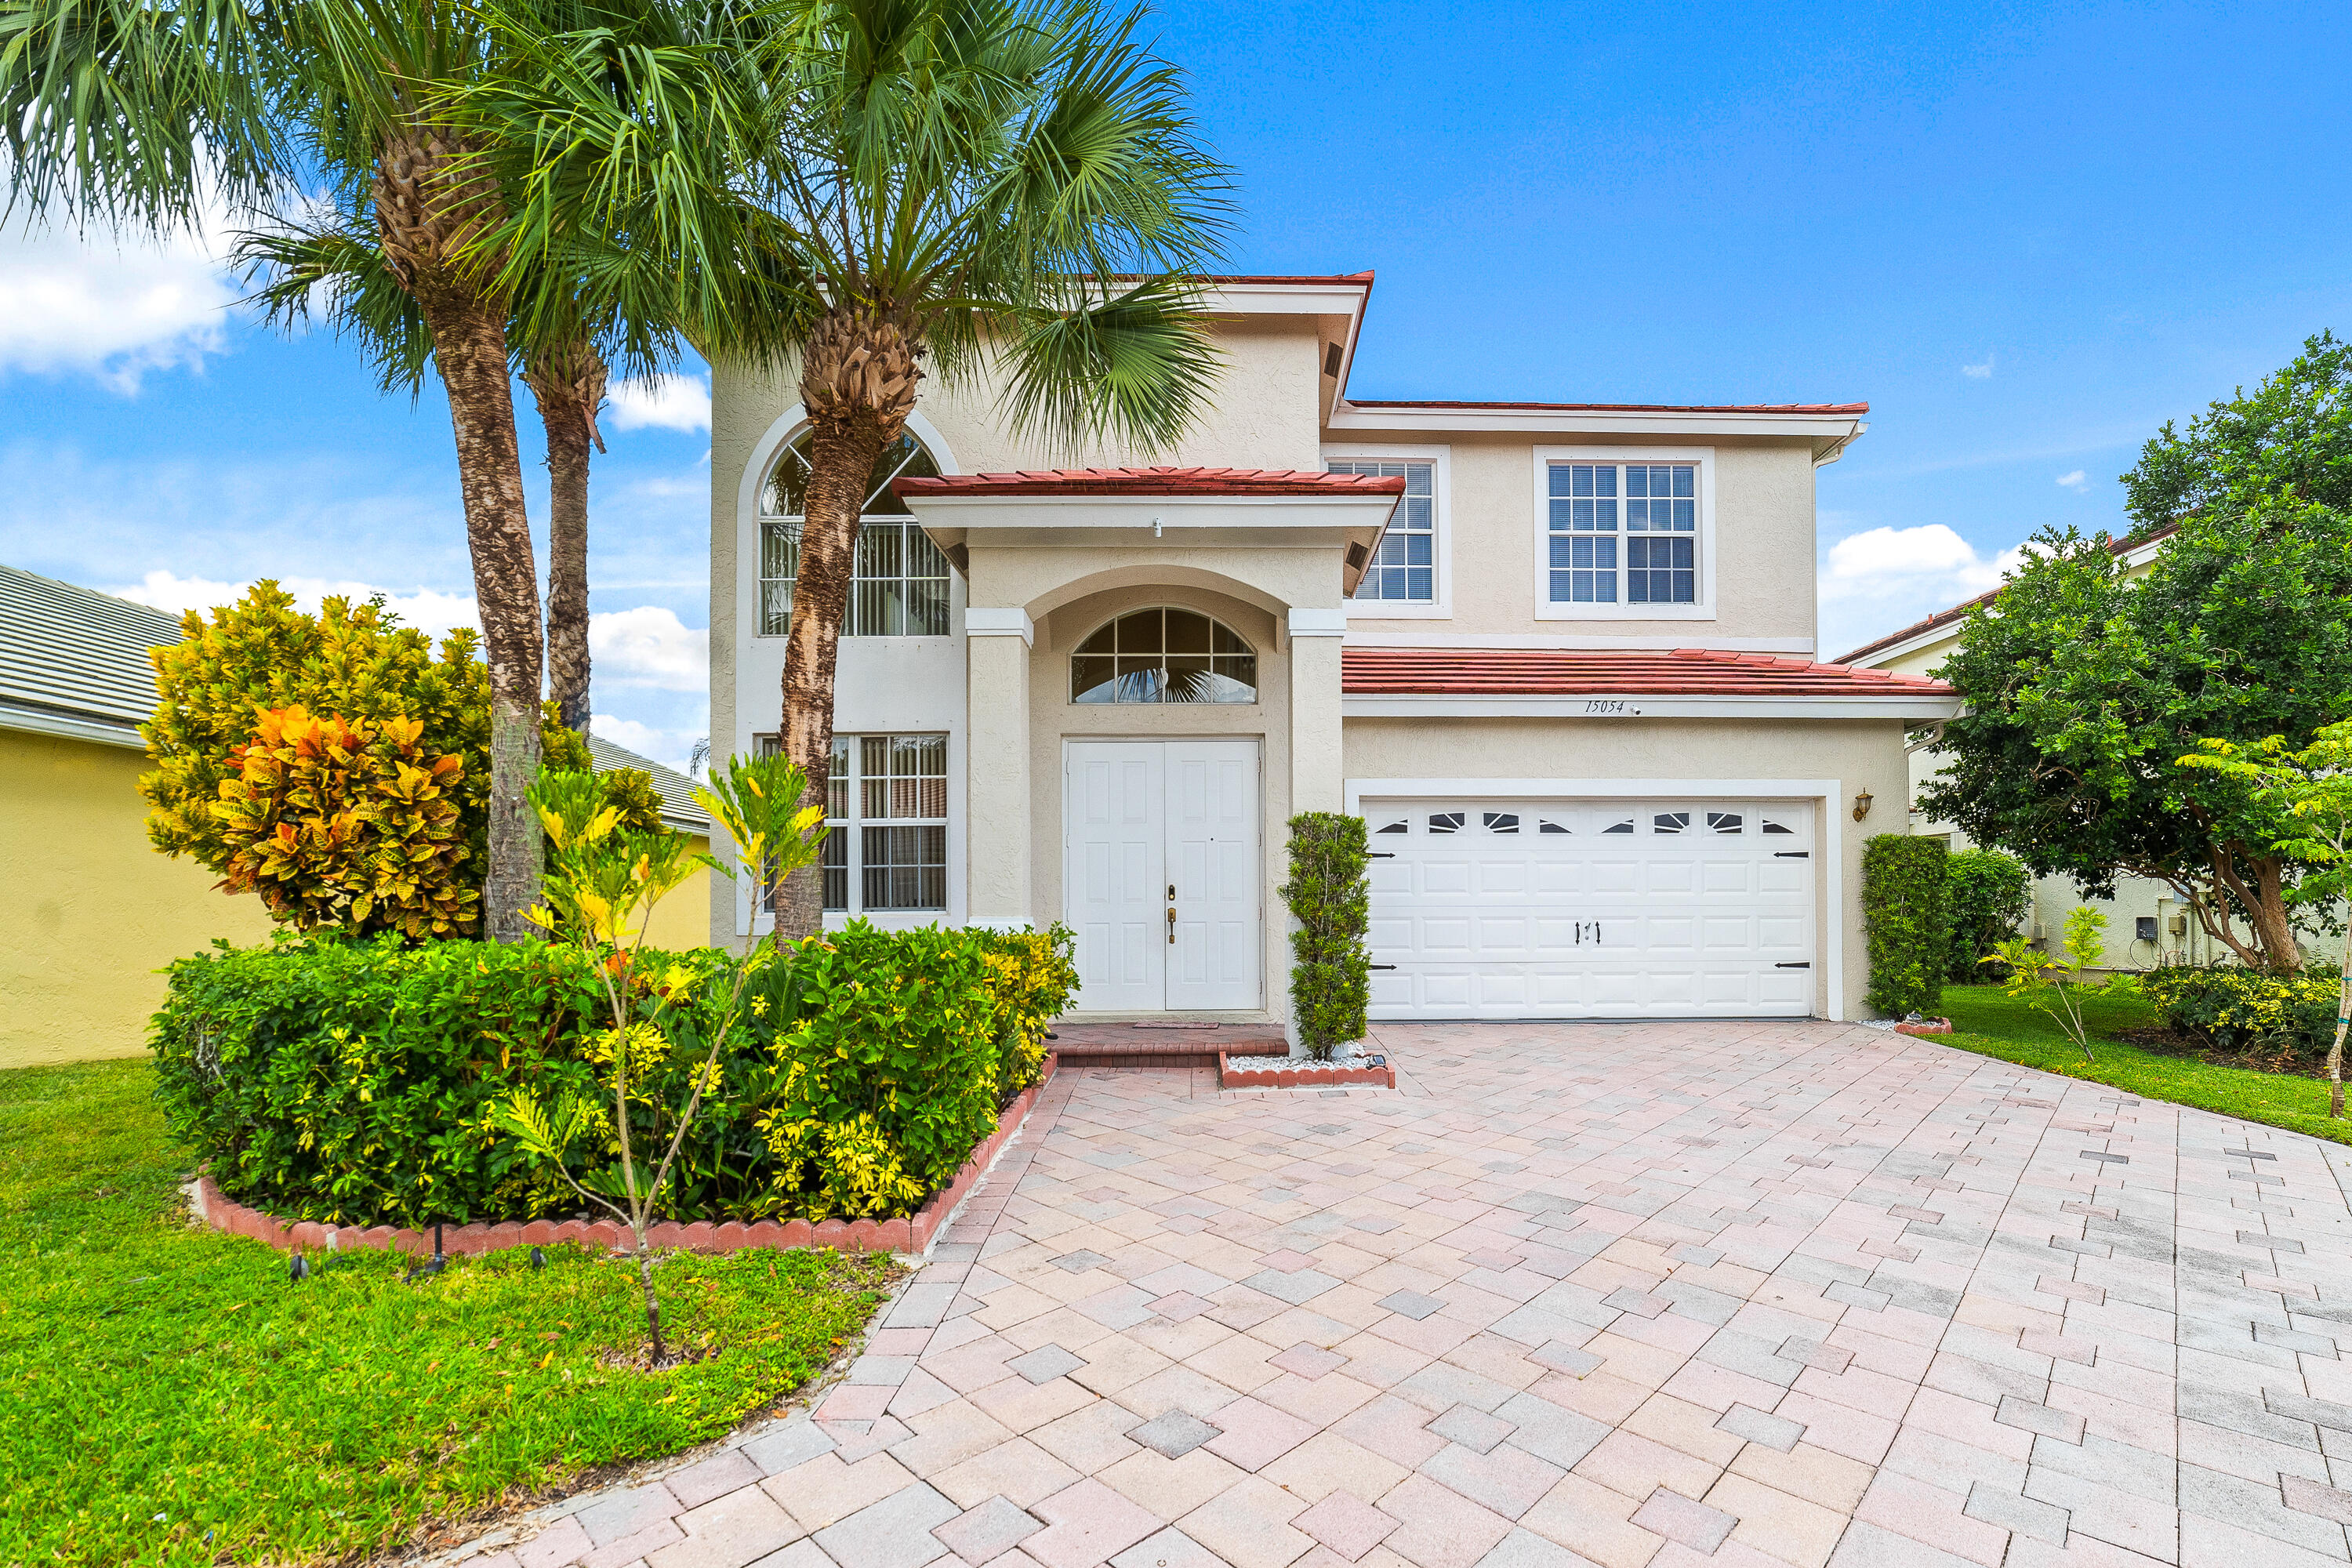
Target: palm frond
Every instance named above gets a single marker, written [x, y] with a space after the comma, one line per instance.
[1134, 371]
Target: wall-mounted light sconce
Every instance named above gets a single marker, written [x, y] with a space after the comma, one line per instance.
[1862, 806]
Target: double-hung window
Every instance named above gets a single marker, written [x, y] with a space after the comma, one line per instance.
[899, 587]
[887, 806]
[1623, 534]
[1407, 572]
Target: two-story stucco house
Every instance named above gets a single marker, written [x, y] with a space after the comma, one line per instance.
[1559, 656]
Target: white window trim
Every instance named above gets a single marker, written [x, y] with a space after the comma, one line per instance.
[756, 923]
[1826, 795]
[749, 522]
[1546, 610]
[1440, 606]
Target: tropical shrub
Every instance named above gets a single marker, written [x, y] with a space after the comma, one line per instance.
[2055, 985]
[354, 666]
[1031, 975]
[349, 826]
[1904, 911]
[2234, 1008]
[365, 1082]
[1331, 969]
[1987, 896]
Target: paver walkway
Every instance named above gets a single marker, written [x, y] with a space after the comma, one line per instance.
[1752, 1294]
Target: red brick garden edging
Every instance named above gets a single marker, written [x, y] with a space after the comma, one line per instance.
[911, 1233]
[1306, 1075]
[1926, 1026]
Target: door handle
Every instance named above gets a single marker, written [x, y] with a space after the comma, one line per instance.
[1172, 925]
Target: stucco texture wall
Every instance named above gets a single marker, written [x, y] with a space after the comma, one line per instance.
[1763, 539]
[1858, 754]
[92, 911]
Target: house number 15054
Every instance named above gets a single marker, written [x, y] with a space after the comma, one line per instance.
[1610, 705]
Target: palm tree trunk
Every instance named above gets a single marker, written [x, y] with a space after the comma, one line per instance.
[569, 388]
[429, 203]
[858, 377]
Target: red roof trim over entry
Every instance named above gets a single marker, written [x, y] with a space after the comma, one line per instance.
[1679, 672]
[1153, 482]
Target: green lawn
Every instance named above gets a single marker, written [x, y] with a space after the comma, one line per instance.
[167, 1396]
[1986, 1021]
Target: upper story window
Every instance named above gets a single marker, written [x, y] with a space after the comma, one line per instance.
[1405, 570]
[901, 589]
[1164, 656]
[1622, 533]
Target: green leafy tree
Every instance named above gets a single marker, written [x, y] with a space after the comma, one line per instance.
[2310, 790]
[2055, 987]
[1009, 187]
[601, 876]
[2086, 688]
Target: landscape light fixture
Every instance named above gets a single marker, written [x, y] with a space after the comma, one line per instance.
[433, 1265]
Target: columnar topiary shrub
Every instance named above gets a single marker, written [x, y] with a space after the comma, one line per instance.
[1902, 907]
[1987, 895]
[1330, 970]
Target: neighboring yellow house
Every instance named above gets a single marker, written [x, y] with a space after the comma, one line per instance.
[92, 911]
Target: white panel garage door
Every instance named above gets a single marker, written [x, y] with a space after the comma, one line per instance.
[1592, 909]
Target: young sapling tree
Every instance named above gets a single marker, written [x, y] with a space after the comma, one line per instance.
[599, 880]
[2053, 987]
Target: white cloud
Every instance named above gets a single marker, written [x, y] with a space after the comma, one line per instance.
[1884, 578]
[649, 646]
[425, 608]
[114, 307]
[661, 403]
[1980, 372]
[2073, 481]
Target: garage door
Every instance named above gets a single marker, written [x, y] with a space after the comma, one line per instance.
[1592, 909]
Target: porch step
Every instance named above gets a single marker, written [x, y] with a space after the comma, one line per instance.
[1126, 1045]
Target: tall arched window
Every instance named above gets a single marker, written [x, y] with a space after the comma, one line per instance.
[1164, 655]
[901, 589]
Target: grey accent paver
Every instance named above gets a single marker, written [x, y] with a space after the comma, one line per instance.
[896, 1533]
[1045, 1363]
[1685, 1522]
[1174, 1434]
[2011, 1511]
[1761, 1426]
[1410, 1303]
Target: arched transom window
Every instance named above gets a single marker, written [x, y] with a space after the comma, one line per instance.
[1164, 655]
[901, 586]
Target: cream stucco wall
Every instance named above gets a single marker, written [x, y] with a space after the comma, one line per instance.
[1856, 754]
[94, 911]
[1763, 539]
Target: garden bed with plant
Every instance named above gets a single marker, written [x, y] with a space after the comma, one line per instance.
[169, 1396]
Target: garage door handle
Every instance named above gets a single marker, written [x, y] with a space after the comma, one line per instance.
[1379, 855]
[1380, 966]
[1792, 854]
[1807, 963]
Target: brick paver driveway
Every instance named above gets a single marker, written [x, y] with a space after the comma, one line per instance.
[1756, 1293]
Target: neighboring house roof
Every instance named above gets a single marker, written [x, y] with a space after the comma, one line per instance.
[676, 791]
[1166, 482]
[1690, 672]
[74, 661]
[1941, 619]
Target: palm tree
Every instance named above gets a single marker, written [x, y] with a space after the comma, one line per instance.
[566, 342]
[997, 188]
[130, 109]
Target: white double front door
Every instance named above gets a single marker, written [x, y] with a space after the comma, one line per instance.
[1161, 873]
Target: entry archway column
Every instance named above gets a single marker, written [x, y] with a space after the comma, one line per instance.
[999, 887]
[1316, 771]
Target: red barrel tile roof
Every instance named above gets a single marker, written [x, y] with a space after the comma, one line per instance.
[1687, 671]
[1153, 482]
[1623, 407]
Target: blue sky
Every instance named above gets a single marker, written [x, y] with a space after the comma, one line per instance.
[2027, 235]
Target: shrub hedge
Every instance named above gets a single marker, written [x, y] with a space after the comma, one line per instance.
[1903, 908]
[2234, 1008]
[355, 1081]
[1330, 975]
[1987, 895]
